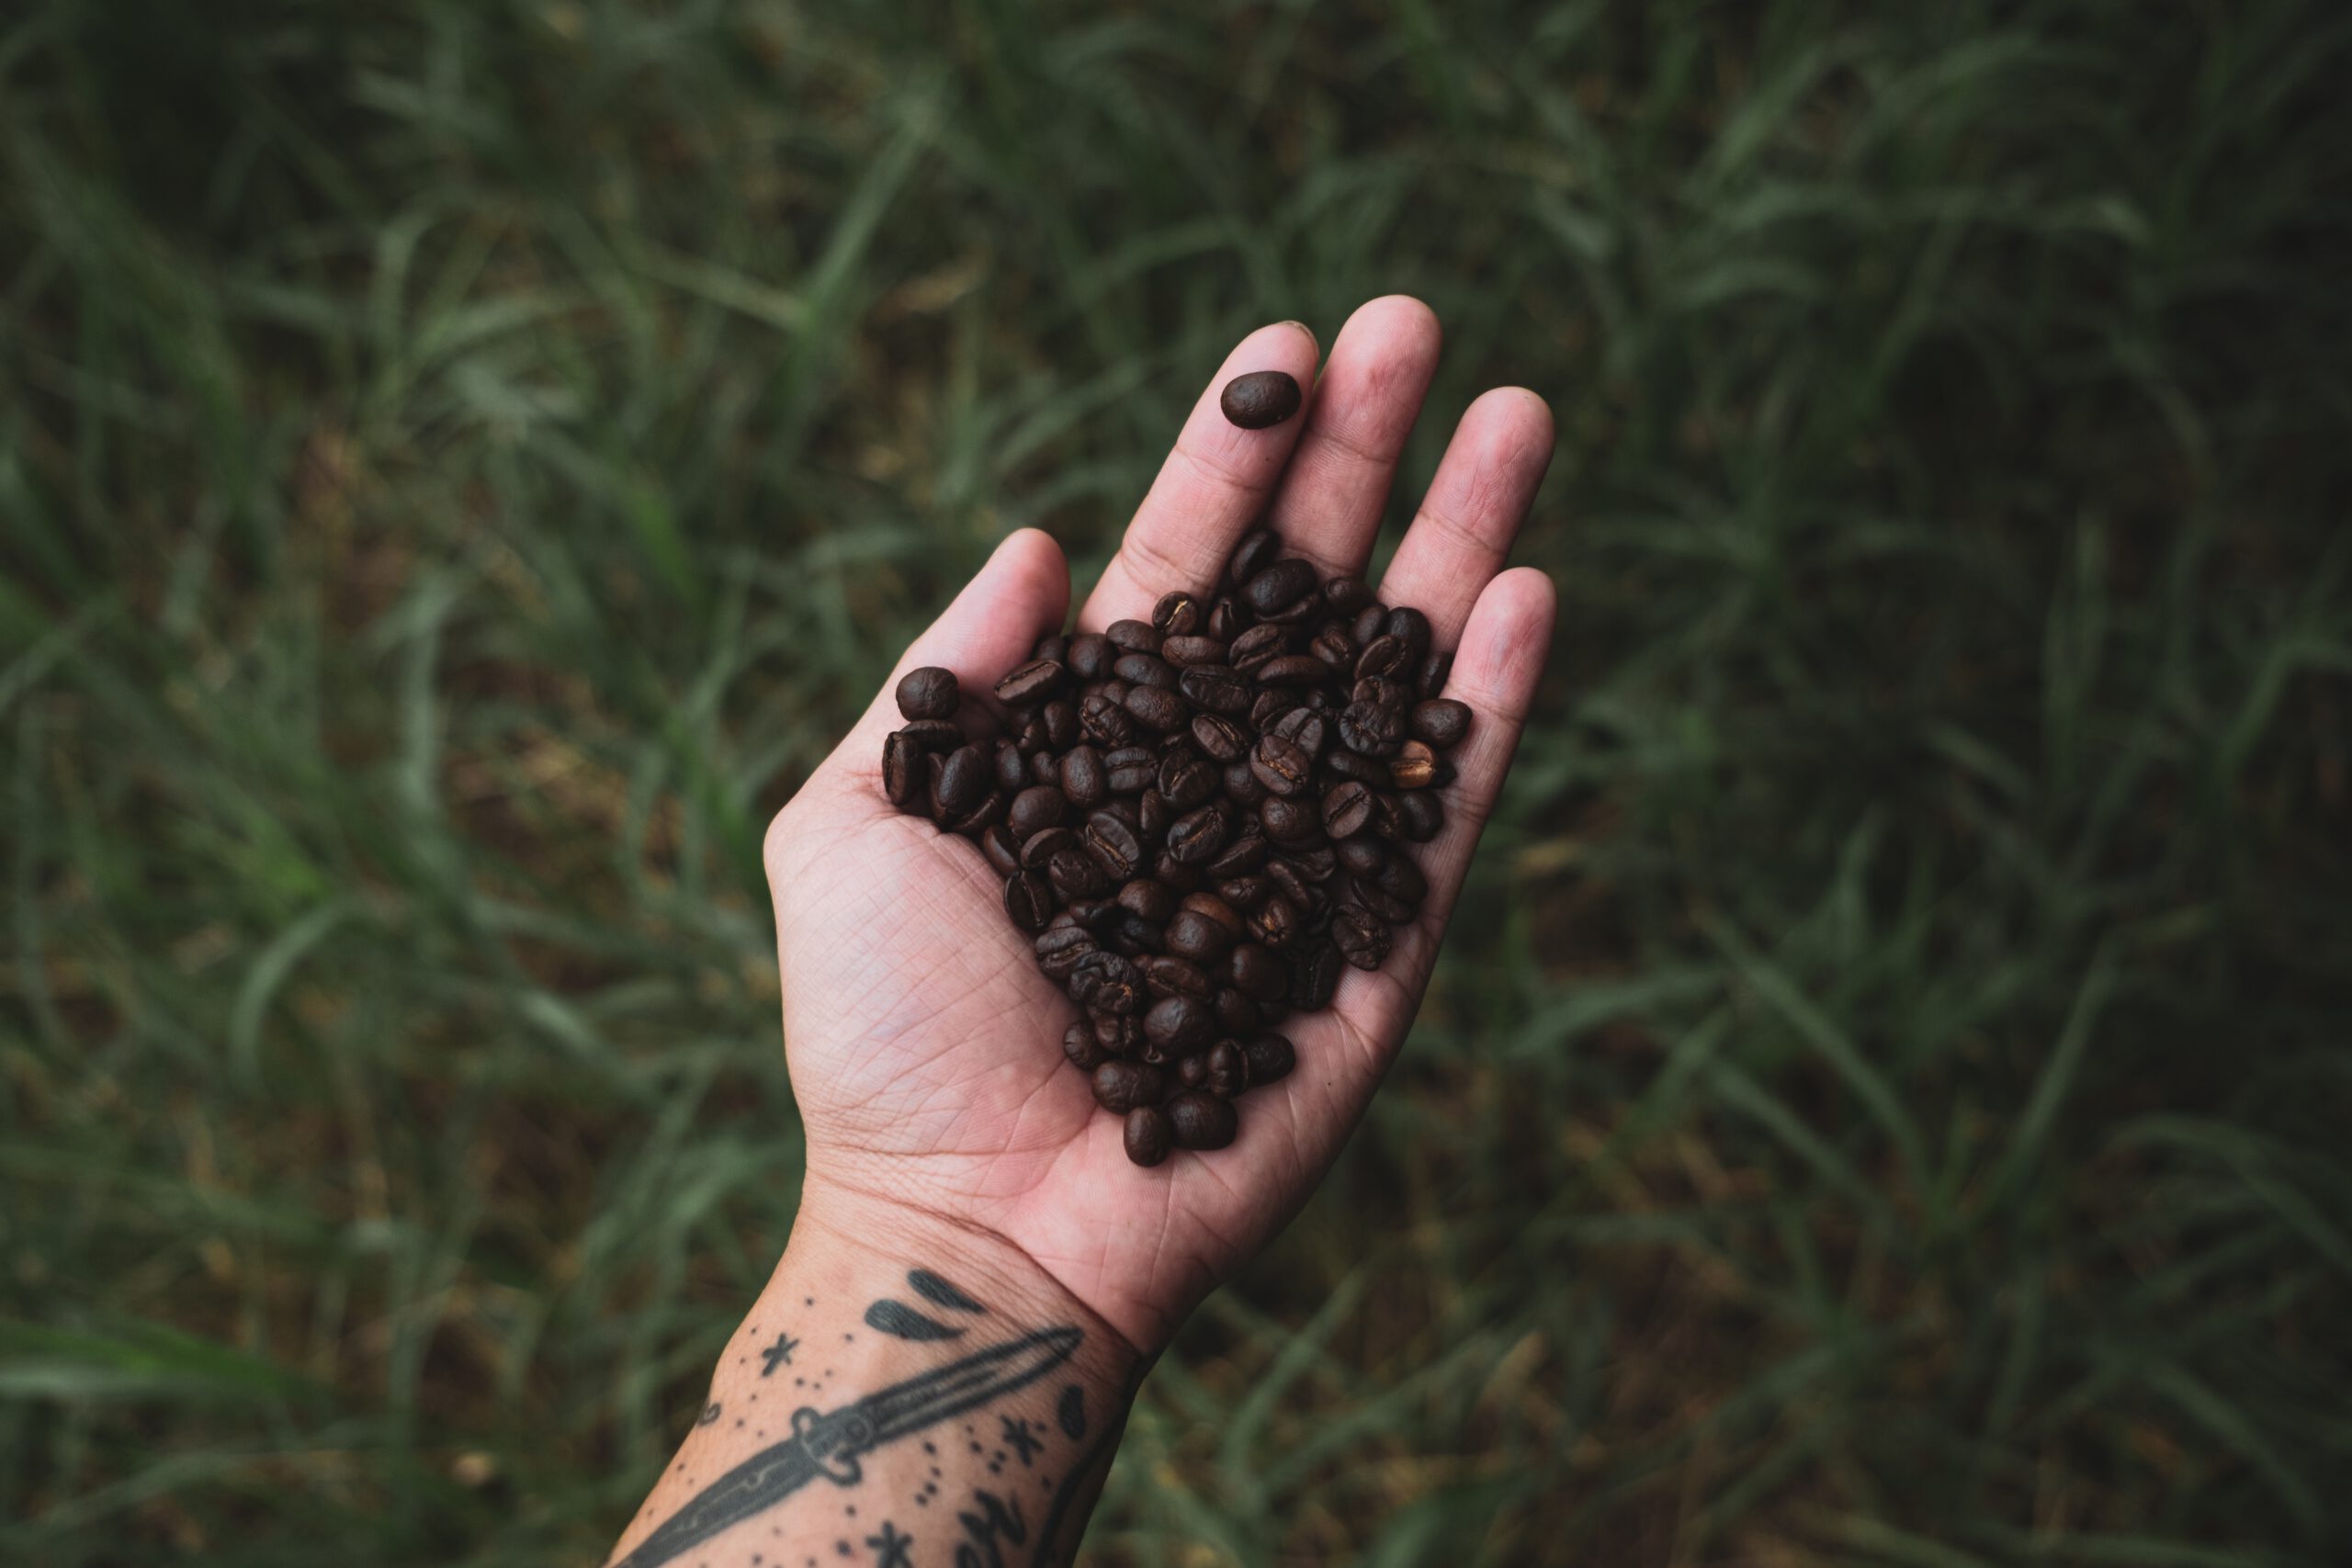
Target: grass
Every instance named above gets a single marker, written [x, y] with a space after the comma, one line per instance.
[462, 462]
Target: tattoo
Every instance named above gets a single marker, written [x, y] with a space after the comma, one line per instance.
[890, 1547]
[1071, 1413]
[779, 1352]
[710, 1414]
[1021, 1436]
[939, 1292]
[995, 1519]
[830, 1443]
[902, 1322]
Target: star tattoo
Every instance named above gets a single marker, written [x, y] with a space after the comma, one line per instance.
[779, 1353]
[1021, 1436]
[890, 1547]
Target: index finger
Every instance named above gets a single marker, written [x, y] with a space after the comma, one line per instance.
[1210, 491]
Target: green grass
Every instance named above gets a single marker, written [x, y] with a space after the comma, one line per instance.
[462, 462]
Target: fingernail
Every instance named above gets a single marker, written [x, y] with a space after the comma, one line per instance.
[1301, 326]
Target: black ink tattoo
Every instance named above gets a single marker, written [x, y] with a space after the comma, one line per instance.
[710, 1414]
[890, 1547]
[830, 1443]
[1071, 1413]
[902, 1322]
[939, 1292]
[995, 1520]
[779, 1353]
[1021, 1435]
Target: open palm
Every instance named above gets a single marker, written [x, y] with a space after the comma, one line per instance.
[925, 1045]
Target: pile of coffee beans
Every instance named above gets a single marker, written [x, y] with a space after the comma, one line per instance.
[1201, 819]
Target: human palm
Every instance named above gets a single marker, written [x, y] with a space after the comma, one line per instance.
[924, 1044]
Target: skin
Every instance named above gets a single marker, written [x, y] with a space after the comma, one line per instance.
[946, 1132]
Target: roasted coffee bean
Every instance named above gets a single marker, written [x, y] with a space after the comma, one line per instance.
[1029, 899]
[1256, 551]
[1177, 613]
[1384, 656]
[1094, 914]
[1279, 586]
[965, 777]
[1133, 636]
[1120, 1087]
[1036, 808]
[1135, 936]
[1313, 862]
[1075, 875]
[1245, 893]
[1043, 845]
[1361, 936]
[1435, 670]
[1042, 770]
[1053, 645]
[1149, 898]
[1153, 815]
[1166, 868]
[1183, 652]
[1220, 738]
[986, 815]
[1112, 844]
[1346, 595]
[1118, 1036]
[1275, 922]
[1304, 729]
[904, 776]
[1105, 982]
[1314, 974]
[1411, 626]
[1198, 836]
[1235, 1013]
[1192, 1070]
[1347, 809]
[1200, 1120]
[1196, 936]
[1282, 766]
[1424, 813]
[935, 734]
[1382, 692]
[1166, 974]
[1291, 671]
[1011, 767]
[1082, 778]
[1370, 730]
[1157, 708]
[1091, 656]
[1219, 688]
[1029, 732]
[1340, 763]
[1245, 854]
[1334, 647]
[1103, 720]
[928, 693]
[1032, 683]
[1085, 1052]
[1256, 646]
[1241, 785]
[1146, 670]
[1002, 849]
[1228, 1069]
[1259, 972]
[1179, 1023]
[1287, 821]
[1366, 628]
[1061, 723]
[1225, 619]
[1260, 399]
[1291, 885]
[1271, 1057]
[1059, 948]
[1214, 906]
[1130, 769]
[1441, 721]
[1414, 766]
[1186, 780]
[1146, 1136]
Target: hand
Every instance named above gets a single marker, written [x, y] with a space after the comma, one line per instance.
[924, 1044]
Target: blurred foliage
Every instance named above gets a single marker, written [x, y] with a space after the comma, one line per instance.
[462, 462]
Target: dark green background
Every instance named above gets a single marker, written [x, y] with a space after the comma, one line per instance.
[462, 462]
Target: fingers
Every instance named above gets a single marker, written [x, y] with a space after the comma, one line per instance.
[1504, 646]
[1484, 486]
[1210, 491]
[1329, 506]
[1020, 595]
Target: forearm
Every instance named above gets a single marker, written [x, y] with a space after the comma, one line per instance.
[903, 1393]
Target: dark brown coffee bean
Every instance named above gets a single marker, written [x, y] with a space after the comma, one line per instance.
[1291, 885]
[1343, 764]
[1167, 975]
[1400, 878]
[1346, 595]
[1287, 821]
[1235, 1013]
[1258, 972]
[1304, 729]
[1256, 646]
[1384, 656]
[1133, 636]
[1040, 847]
[1314, 974]
[1157, 708]
[1366, 628]
[1147, 1135]
[965, 776]
[1184, 651]
[1134, 936]
[1219, 737]
[904, 776]
[1441, 721]
[1254, 553]
[1245, 854]
[1103, 719]
[1424, 813]
[1282, 766]
[1131, 768]
[1029, 899]
[1245, 893]
[1411, 628]
[1113, 844]
[1361, 936]
[1002, 849]
[986, 815]
[1347, 809]
[1152, 816]
[1279, 586]
[1032, 683]
[1291, 670]
[1241, 785]
[1059, 949]
[1011, 767]
[1091, 656]
[928, 693]
[1270, 1056]
[1146, 670]
[1149, 898]
[1313, 862]
[1075, 875]
[1371, 731]
[1201, 1121]
[1215, 909]
[1061, 723]
[1335, 647]
[1195, 936]
[1082, 779]
[1105, 982]
[933, 734]
[1085, 1052]
[1435, 670]
[1177, 613]
[1219, 688]
[1414, 767]
[1227, 1070]
[1120, 1087]
[1226, 619]
[1275, 922]
[1185, 779]
[1166, 868]
[1118, 1036]
[1179, 1023]
[1192, 1070]
[1034, 809]
[1198, 837]
[1042, 770]
[1260, 399]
